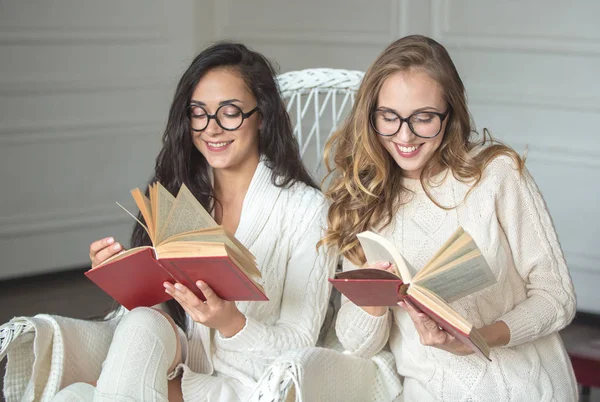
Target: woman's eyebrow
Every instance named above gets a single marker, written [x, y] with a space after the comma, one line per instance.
[225, 102]
[421, 109]
[228, 101]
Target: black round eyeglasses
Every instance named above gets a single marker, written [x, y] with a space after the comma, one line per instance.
[228, 116]
[387, 122]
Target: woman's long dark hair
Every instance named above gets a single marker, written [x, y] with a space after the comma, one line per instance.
[179, 162]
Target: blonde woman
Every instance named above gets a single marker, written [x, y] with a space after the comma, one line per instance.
[405, 164]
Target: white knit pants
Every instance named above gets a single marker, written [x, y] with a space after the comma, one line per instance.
[135, 369]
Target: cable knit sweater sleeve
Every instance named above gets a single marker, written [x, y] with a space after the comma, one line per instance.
[538, 258]
[306, 289]
[359, 332]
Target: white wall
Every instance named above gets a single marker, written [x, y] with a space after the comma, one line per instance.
[85, 88]
[530, 68]
[84, 93]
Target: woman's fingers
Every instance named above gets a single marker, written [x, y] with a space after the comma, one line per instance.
[211, 296]
[99, 245]
[99, 255]
[188, 300]
[384, 265]
[429, 332]
[412, 312]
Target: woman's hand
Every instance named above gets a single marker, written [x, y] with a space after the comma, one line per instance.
[378, 311]
[215, 312]
[496, 334]
[103, 249]
[432, 335]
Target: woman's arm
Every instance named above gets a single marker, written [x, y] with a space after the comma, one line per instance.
[363, 331]
[538, 258]
[305, 292]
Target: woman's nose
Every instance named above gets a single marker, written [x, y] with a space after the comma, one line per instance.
[405, 134]
[213, 127]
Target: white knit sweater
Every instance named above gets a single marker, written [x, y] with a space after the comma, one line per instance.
[281, 227]
[534, 296]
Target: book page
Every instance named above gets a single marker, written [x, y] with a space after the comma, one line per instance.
[212, 236]
[440, 307]
[164, 203]
[153, 197]
[378, 248]
[187, 215]
[143, 204]
[251, 271]
[463, 245]
[451, 240]
[208, 250]
[468, 274]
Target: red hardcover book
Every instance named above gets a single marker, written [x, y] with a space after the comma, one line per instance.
[458, 269]
[137, 279]
[188, 246]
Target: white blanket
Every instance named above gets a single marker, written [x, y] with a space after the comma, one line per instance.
[59, 352]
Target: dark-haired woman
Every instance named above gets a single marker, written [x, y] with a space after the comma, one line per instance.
[230, 141]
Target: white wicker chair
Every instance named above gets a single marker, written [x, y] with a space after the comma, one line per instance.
[317, 100]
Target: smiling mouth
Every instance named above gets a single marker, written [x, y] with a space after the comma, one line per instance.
[409, 149]
[217, 145]
[408, 152]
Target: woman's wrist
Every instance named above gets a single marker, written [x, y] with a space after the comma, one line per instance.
[375, 311]
[234, 326]
[496, 334]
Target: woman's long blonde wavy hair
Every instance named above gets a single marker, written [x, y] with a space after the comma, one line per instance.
[365, 183]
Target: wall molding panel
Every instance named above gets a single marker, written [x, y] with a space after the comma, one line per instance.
[346, 33]
[55, 222]
[76, 131]
[460, 36]
[85, 89]
[44, 86]
[28, 35]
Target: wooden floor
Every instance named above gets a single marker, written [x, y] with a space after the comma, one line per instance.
[72, 294]
[68, 293]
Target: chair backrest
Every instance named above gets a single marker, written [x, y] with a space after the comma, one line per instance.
[317, 99]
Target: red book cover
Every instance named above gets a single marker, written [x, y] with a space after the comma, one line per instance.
[370, 292]
[370, 287]
[137, 279]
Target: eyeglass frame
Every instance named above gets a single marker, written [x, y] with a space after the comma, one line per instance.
[442, 117]
[214, 116]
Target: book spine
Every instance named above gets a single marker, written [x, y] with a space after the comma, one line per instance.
[176, 274]
[402, 290]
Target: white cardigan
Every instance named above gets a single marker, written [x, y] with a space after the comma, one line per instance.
[534, 296]
[281, 227]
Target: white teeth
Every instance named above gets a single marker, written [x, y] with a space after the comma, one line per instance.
[407, 149]
[219, 144]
